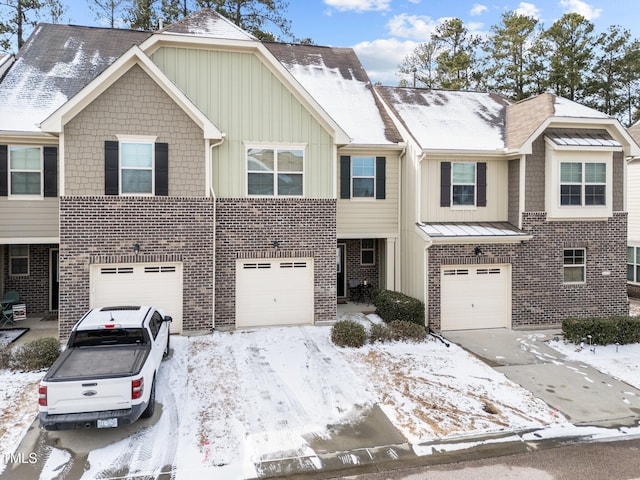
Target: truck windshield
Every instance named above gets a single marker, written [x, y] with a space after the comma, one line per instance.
[115, 336]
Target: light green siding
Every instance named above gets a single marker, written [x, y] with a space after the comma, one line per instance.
[251, 105]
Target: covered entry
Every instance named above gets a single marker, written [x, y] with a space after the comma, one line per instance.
[274, 292]
[475, 296]
[155, 284]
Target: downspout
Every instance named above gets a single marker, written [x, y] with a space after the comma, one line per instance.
[209, 166]
[397, 276]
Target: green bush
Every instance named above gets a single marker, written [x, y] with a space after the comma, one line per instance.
[38, 354]
[407, 331]
[603, 331]
[380, 332]
[347, 333]
[392, 306]
[5, 357]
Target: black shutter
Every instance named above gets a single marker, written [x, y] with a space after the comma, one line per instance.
[345, 177]
[111, 168]
[4, 170]
[445, 184]
[481, 181]
[162, 169]
[50, 171]
[381, 180]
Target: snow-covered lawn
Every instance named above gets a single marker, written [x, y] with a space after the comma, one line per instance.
[230, 400]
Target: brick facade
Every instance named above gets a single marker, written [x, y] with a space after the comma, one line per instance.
[247, 228]
[354, 268]
[103, 229]
[33, 288]
[539, 297]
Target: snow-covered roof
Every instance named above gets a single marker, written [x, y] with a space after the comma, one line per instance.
[336, 79]
[54, 64]
[208, 23]
[450, 120]
[567, 108]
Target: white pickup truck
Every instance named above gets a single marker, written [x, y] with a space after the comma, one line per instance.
[106, 376]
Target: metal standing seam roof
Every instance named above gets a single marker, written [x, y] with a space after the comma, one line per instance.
[583, 139]
[484, 229]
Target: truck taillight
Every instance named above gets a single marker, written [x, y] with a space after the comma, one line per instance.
[42, 396]
[137, 387]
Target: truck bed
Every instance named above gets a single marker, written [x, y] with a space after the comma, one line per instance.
[98, 362]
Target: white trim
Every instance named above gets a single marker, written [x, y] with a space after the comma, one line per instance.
[134, 56]
[137, 138]
[27, 256]
[142, 140]
[276, 148]
[25, 196]
[29, 240]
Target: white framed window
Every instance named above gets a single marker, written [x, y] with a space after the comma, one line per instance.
[363, 177]
[19, 260]
[25, 171]
[463, 184]
[275, 171]
[136, 167]
[583, 184]
[574, 265]
[367, 251]
[633, 264]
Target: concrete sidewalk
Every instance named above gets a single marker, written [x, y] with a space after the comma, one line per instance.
[581, 393]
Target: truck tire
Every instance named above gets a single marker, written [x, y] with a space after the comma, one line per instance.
[165, 354]
[151, 407]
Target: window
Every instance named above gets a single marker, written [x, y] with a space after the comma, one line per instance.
[363, 177]
[633, 264]
[19, 260]
[136, 168]
[583, 184]
[574, 265]
[275, 171]
[25, 170]
[367, 251]
[463, 184]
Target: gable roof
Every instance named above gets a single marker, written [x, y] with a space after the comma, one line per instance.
[449, 120]
[208, 23]
[55, 63]
[336, 79]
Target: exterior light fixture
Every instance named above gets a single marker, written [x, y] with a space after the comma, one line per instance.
[478, 251]
[136, 248]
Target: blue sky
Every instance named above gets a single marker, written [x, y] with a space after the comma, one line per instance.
[383, 32]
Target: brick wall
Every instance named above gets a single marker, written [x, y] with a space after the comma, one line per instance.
[539, 297]
[33, 288]
[354, 267]
[247, 227]
[105, 227]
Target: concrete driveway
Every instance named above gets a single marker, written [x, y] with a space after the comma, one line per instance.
[582, 394]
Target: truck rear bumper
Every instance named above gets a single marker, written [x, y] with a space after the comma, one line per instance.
[71, 421]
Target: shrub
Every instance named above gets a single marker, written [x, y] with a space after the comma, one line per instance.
[603, 331]
[392, 306]
[347, 333]
[38, 354]
[379, 332]
[409, 331]
[5, 357]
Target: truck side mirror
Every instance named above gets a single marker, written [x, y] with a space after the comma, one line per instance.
[167, 318]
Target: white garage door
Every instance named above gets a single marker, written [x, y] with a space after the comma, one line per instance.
[274, 292]
[155, 284]
[475, 296]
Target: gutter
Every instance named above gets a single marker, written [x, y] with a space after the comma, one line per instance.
[209, 167]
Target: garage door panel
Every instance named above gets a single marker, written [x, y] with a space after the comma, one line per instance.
[159, 285]
[274, 292]
[474, 297]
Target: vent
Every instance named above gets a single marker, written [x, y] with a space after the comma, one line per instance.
[253, 266]
[115, 270]
[160, 269]
[488, 271]
[455, 271]
[293, 265]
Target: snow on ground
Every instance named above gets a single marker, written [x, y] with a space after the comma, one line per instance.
[233, 399]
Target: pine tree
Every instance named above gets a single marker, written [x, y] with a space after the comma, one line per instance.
[18, 17]
[456, 58]
[142, 15]
[108, 12]
[420, 66]
[510, 56]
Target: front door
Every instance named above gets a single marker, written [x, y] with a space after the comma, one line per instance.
[54, 275]
[340, 258]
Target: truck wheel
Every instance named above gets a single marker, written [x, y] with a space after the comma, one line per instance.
[148, 412]
[165, 354]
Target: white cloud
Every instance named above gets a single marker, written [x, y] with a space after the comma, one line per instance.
[583, 8]
[381, 58]
[417, 27]
[478, 9]
[358, 5]
[528, 9]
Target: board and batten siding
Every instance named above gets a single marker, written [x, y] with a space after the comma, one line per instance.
[372, 216]
[633, 203]
[29, 218]
[497, 194]
[252, 106]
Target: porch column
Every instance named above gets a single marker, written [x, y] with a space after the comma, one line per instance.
[391, 272]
